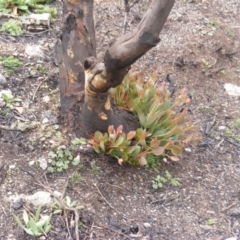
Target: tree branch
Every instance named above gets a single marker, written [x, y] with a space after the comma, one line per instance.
[126, 49]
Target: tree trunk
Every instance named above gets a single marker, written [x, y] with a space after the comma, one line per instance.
[80, 71]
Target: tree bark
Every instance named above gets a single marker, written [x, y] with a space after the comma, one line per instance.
[78, 43]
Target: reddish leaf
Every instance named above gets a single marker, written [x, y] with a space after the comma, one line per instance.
[174, 158]
[155, 143]
[176, 150]
[119, 129]
[188, 138]
[142, 161]
[131, 135]
[180, 117]
[158, 151]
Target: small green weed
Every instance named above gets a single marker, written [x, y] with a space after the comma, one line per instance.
[94, 167]
[10, 64]
[7, 100]
[230, 32]
[205, 63]
[152, 162]
[236, 123]
[50, 132]
[210, 222]
[26, 6]
[75, 179]
[61, 159]
[212, 27]
[159, 181]
[78, 141]
[33, 226]
[12, 27]
[59, 207]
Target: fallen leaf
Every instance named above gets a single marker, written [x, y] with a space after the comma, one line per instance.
[174, 158]
[19, 109]
[142, 161]
[120, 161]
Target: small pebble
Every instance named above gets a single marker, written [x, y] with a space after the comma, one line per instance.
[3, 80]
[235, 212]
[188, 150]
[147, 225]
[18, 204]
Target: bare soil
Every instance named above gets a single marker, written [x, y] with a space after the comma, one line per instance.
[200, 48]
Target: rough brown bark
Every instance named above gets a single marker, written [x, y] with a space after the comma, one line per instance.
[78, 43]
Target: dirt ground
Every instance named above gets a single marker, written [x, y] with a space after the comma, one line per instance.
[200, 48]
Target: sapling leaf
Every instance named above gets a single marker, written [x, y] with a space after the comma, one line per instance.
[29, 231]
[68, 200]
[47, 228]
[25, 217]
[18, 221]
[80, 207]
[52, 154]
[37, 215]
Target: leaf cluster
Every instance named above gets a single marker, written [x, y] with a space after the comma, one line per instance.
[8, 100]
[162, 132]
[58, 207]
[33, 226]
[159, 181]
[12, 27]
[61, 159]
[10, 63]
[25, 6]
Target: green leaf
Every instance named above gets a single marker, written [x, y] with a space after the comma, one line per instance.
[48, 134]
[76, 160]
[68, 201]
[73, 204]
[48, 219]
[52, 154]
[80, 207]
[58, 134]
[168, 175]
[47, 228]
[50, 169]
[29, 231]
[119, 141]
[134, 151]
[33, 226]
[18, 221]
[78, 141]
[141, 116]
[57, 211]
[98, 135]
[37, 215]
[102, 146]
[25, 217]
